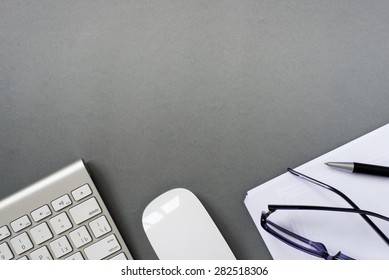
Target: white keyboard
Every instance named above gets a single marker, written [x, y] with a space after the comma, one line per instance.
[59, 217]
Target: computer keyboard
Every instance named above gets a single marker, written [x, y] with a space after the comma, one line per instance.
[60, 217]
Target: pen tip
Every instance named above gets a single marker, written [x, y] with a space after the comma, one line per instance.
[326, 163]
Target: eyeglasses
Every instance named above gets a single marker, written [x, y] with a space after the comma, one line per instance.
[303, 244]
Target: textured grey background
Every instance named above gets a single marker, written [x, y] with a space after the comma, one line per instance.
[213, 96]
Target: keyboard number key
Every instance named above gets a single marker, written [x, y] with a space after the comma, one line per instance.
[41, 213]
[61, 202]
[21, 243]
[4, 232]
[81, 192]
[20, 223]
[5, 252]
[60, 223]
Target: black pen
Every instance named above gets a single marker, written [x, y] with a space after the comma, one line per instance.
[356, 167]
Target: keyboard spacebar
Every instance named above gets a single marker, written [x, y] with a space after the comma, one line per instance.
[103, 248]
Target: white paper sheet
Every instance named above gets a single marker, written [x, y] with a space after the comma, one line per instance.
[347, 233]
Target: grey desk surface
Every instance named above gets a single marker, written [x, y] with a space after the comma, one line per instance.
[214, 96]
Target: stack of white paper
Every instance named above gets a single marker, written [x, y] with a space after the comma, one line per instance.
[344, 232]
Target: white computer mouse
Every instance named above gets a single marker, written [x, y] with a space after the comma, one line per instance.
[179, 228]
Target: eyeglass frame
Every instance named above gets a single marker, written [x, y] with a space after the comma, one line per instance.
[317, 249]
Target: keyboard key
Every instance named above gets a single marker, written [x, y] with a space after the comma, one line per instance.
[5, 252]
[85, 210]
[24, 258]
[59, 218]
[21, 243]
[80, 237]
[81, 192]
[20, 223]
[100, 226]
[61, 247]
[41, 233]
[41, 213]
[119, 257]
[42, 254]
[4, 232]
[61, 202]
[60, 223]
[75, 257]
[103, 248]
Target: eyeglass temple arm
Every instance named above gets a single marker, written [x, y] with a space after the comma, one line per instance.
[320, 250]
[274, 207]
[323, 185]
[330, 188]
